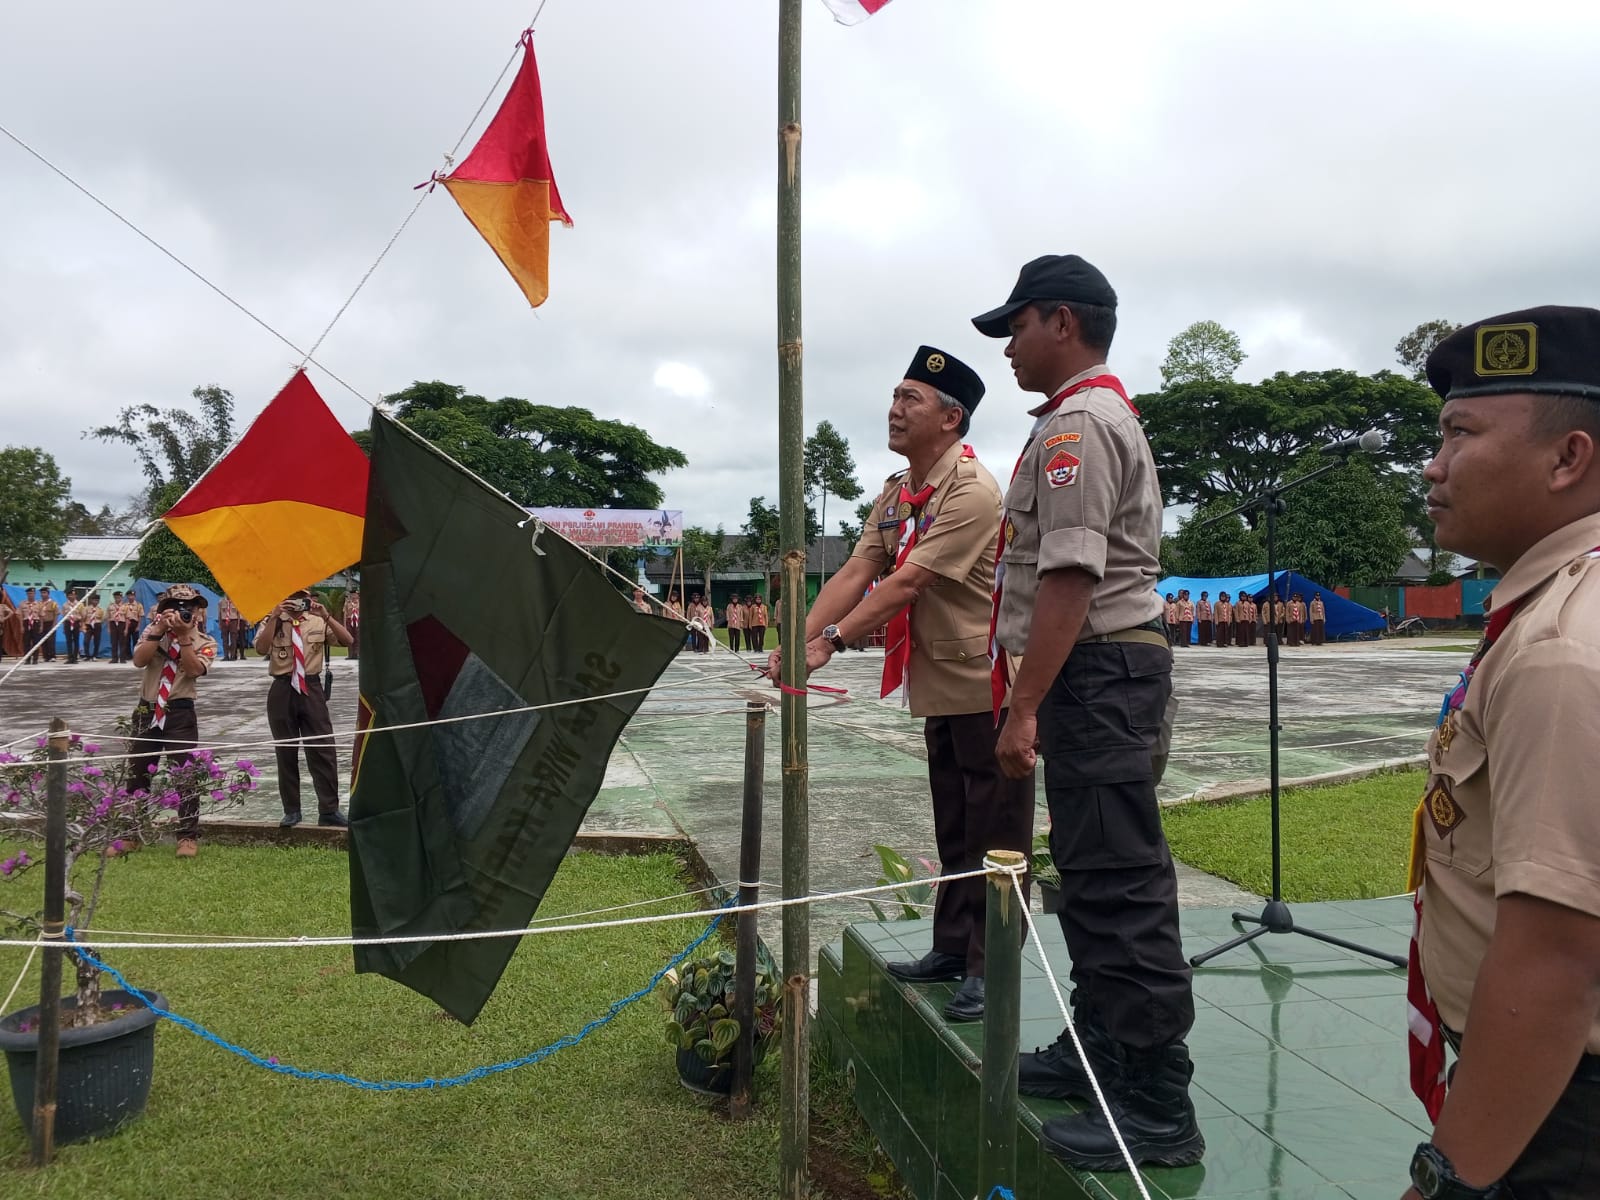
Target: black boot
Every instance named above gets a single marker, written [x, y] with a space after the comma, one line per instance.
[1055, 1072]
[1153, 1112]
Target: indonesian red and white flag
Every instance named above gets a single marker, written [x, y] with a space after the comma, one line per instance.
[853, 12]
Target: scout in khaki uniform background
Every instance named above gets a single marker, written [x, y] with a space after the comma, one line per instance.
[29, 610]
[134, 611]
[1185, 617]
[173, 653]
[1077, 600]
[1507, 850]
[294, 640]
[1202, 614]
[1319, 619]
[49, 610]
[1222, 620]
[934, 528]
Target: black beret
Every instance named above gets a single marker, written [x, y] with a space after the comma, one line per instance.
[1554, 349]
[948, 374]
[1063, 277]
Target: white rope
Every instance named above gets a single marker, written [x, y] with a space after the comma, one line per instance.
[23, 974]
[88, 938]
[66, 610]
[1179, 755]
[1094, 1084]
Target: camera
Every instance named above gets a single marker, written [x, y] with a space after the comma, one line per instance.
[184, 609]
[298, 604]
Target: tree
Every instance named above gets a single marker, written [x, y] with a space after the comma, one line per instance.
[1201, 549]
[763, 546]
[1203, 353]
[1218, 439]
[1412, 350]
[175, 446]
[33, 495]
[850, 531]
[707, 553]
[540, 455]
[829, 469]
[1347, 528]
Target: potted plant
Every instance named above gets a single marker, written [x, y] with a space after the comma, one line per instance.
[699, 998]
[107, 1038]
[1042, 866]
[915, 895]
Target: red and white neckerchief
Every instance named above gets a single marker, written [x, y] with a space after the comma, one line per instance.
[897, 634]
[169, 673]
[1424, 1029]
[298, 679]
[999, 663]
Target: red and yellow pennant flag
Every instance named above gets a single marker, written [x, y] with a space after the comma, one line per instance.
[506, 187]
[282, 509]
[853, 12]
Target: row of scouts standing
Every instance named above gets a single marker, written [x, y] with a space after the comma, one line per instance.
[1231, 622]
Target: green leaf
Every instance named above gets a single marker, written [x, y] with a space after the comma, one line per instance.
[724, 1034]
[706, 1049]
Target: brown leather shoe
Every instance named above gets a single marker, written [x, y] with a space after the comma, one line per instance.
[188, 847]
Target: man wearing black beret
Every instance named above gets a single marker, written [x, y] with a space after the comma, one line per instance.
[1506, 843]
[1076, 598]
[933, 528]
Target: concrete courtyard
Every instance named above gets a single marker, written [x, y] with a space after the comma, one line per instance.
[679, 766]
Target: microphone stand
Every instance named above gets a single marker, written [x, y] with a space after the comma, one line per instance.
[1276, 917]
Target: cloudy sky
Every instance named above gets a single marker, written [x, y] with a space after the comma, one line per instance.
[1319, 178]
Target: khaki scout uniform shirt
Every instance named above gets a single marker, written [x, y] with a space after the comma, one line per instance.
[313, 632]
[1085, 495]
[182, 685]
[1511, 806]
[948, 673]
[735, 616]
[1319, 611]
[1223, 612]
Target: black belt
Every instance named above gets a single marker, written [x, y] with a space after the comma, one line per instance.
[174, 705]
[310, 680]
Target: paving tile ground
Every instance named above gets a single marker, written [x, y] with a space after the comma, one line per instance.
[679, 766]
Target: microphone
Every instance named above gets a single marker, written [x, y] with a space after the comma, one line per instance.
[1371, 441]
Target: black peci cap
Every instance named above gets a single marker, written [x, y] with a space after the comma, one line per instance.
[1554, 349]
[948, 374]
[1053, 277]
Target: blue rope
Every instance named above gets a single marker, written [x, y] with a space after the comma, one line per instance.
[1004, 1193]
[396, 1085]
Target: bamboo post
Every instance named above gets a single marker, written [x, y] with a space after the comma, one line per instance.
[47, 1058]
[744, 983]
[795, 1124]
[1002, 1022]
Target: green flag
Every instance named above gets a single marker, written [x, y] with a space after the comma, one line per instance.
[460, 824]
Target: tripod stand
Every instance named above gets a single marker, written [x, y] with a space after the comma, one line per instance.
[1276, 917]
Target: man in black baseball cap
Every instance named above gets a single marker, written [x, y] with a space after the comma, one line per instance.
[1091, 695]
[1506, 846]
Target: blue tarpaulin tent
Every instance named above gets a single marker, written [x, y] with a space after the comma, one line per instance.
[16, 594]
[1344, 616]
[148, 591]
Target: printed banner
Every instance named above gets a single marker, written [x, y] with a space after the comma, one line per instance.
[615, 526]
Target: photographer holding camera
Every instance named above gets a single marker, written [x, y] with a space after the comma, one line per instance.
[294, 640]
[173, 653]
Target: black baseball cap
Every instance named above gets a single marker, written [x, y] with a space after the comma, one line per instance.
[1064, 277]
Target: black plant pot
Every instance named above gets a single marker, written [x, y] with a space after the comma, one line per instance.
[1049, 896]
[710, 1079]
[104, 1072]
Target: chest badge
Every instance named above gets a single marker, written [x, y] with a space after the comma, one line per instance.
[1447, 734]
[904, 510]
[1062, 469]
[1442, 808]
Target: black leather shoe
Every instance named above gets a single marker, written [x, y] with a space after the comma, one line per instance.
[1152, 1108]
[1055, 1072]
[334, 818]
[290, 820]
[967, 1003]
[932, 967]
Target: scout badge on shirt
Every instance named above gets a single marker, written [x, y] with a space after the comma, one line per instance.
[1062, 469]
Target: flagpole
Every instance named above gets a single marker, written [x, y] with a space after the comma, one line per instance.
[796, 1089]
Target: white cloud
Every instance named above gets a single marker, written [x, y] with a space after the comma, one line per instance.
[682, 380]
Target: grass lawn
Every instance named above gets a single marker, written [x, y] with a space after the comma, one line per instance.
[605, 1119]
[1347, 842]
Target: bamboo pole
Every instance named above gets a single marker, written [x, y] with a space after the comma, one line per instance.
[795, 1124]
[1002, 1023]
[47, 1057]
[740, 1098]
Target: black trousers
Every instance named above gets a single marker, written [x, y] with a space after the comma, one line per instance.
[1562, 1162]
[975, 809]
[292, 715]
[757, 637]
[30, 635]
[180, 731]
[355, 640]
[1098, 727]
[733, 638]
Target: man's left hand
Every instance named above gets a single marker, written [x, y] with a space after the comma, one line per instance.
[1017, 749]
[818, 652]
[1412, 1194]
[320, 609]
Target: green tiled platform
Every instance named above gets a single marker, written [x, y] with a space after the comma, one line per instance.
[1299, 1049]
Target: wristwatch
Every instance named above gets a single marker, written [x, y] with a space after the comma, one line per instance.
[831, 636]
[1435, 1178]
